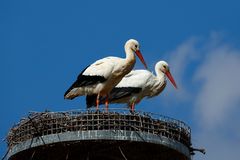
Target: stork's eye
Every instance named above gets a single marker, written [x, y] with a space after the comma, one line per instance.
[164, 66]
[136, 46]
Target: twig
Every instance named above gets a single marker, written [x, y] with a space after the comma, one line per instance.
[6, 154]
[201, 150]
[122, 152]
[32, 155]
[38, 134]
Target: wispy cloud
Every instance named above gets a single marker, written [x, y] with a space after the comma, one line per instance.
[207, 71]
[218, 145]
[219, 95]
[179, 61]
[218, 100]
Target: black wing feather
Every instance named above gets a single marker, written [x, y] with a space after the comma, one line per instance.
[85, 80]
[122, 92]
[115, 94]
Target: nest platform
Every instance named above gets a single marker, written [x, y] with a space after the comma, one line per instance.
[90, 134]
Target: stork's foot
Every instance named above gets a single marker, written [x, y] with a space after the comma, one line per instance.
[132, 111]
[106, 104]
[97, 111]
[97, 102]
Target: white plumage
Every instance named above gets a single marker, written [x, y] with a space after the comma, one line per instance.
[103, 75]
[139, 84]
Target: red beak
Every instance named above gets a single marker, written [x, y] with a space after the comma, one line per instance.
[139, 54]
[171, 78]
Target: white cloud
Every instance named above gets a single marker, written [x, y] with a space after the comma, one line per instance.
[218, 146]
[217, 103]
[207, 72]
[179, 60]
[220, 92]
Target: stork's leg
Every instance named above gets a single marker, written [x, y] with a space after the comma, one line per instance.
[133, 106]
[97, 101]
[106, 103]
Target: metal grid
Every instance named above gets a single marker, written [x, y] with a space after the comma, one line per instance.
[38, 124]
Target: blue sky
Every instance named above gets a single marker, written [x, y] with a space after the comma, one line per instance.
[45, 44]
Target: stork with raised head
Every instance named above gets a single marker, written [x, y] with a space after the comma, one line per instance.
[103, 75]
[138, 84]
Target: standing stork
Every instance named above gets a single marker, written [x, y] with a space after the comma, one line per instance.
[138, 84]
[103, 75]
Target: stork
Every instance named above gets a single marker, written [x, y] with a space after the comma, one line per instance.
[103, 75]
[138, 84]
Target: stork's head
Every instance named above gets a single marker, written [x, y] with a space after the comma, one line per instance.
[163, 67]
[134, 46]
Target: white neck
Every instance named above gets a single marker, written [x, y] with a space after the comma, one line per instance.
[159, 73]
[130, 55]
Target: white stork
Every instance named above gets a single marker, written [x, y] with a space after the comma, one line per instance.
[138, 84]
[103, 75]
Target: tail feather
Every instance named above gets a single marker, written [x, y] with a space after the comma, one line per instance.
[69, 94]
